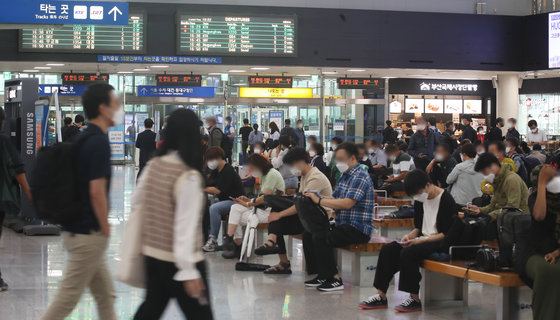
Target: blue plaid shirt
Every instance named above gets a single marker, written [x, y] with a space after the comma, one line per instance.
[356, 184]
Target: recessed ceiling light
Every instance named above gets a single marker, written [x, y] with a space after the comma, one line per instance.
[416, 75]
[260, 68]
[125, 72]
[32, 70]
[159, 66]
[42, 68]
[329, 72]
[140, 69]
[444, 72]
[214, 74]
[236, 71]
[356, 70]
[55, 64]
[389, 77]
[303, 75]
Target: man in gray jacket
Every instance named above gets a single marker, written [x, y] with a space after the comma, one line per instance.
[464, 181]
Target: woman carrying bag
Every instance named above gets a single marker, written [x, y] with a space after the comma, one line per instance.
[168, 206]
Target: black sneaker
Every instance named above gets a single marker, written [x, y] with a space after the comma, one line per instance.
[331, 285]
[3, 285]
[409, 305]
[374, 302]
[314, 282]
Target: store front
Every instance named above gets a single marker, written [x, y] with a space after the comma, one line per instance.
[539, 100]
[444, 100]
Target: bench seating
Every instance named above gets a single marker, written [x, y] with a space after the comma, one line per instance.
[393, 202]
[444, 280]
[394, 228]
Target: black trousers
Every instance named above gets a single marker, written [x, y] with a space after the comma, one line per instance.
[394, 258]
[161, 287]
[2, 215]
[318, 248]
[286, 226]
[378, 174]
[421, 163]
[392, 187]
[439, 176]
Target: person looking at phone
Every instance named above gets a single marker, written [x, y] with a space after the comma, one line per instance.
[287, 222]
[434, 209]
[402, 164]
[464, 181]
[224, 183]
[353, 201]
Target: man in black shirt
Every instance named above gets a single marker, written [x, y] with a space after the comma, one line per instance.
[87, 238]
[511, 131]
[244, 132]
[448, 136]
[69, 130]
[289, 131]
[468, 130]
[408, 133]
[389, 135]
[495, 133]
[146, 142]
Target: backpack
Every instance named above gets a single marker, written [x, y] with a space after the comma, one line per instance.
[313, 217]
[54, 182]
[530, 164]
[405, 211]
[468, 231]
[514, 226]
[226, 144]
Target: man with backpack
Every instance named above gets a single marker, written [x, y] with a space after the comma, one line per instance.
[291, 132]
[215, 134]
[87, 237]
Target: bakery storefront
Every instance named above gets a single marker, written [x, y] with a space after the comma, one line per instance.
[539, 99]
[444, 100]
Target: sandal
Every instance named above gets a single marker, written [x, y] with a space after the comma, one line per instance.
[280, 268]
[267, 249]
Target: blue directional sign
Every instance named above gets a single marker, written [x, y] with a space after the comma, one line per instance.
[158, 59]
[192, 92]
[49, 89]
[64, 12]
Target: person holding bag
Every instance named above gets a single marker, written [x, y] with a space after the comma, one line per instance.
[170, 203]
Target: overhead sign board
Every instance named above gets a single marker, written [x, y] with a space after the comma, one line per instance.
[178, 80]
[248, 92]
[83, 78]
[270, 82]
[442, 86]
[236, 35]
[360, 83]
[86, 38]
[192, 92]
[64, 12]
[49, 89]
[158, 59]
[554, 40]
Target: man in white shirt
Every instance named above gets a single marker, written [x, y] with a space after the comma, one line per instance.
[536, 135]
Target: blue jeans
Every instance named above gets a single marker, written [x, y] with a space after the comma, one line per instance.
[291, 183]
[217, 211]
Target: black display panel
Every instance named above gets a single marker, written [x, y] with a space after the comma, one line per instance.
[83, 78]
[178, 80]
[270, 82]
[236, 35]
[360, 83]
[87, 38]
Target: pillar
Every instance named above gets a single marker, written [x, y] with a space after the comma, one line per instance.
[359, 128]
[507, 97]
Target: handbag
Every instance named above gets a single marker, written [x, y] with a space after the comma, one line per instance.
[312, 216]
[130, 269]
[278, 203]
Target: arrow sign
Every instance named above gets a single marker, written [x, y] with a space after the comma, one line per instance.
[144, 90]
[114, 12]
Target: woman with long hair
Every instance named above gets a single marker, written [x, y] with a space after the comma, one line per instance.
[170, 200]
[274, 131]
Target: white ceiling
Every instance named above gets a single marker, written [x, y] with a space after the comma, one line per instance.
[19, 66]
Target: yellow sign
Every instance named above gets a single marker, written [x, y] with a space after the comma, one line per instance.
[247, 92]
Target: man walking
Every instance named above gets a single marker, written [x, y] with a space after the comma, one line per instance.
[146, 142]
[86, 239]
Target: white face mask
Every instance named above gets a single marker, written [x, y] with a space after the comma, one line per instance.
[295, 171]
[421, 127]
[312, 154]
[534, 130]
[212, 164]
[257, 174]
[371, 151]
[490, 178]
[420, 197]
[364, 158]
[462, 159]
[392, 158]
[509, 125]
[333, 146]
[479, 152]
[342, 166]
[508, 149]
[118, 117]
[257, 150]
[439, 157]
[553, 186]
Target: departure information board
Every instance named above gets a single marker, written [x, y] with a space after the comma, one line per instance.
[69, 79]
[178, 80]
[236, 35]
[270, 82]
[86, 38]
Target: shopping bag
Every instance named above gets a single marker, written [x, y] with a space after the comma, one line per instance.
[131, 269]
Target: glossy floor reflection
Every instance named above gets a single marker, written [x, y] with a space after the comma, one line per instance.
[33, 266]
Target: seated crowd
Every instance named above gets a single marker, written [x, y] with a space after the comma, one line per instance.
[442, 172]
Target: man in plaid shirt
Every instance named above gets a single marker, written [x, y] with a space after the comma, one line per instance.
[353, 201]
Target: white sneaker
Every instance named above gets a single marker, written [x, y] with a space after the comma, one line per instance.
[210, 245]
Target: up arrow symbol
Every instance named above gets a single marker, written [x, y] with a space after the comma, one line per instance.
[114, 12]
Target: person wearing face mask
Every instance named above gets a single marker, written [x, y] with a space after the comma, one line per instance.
[363, 158]
[422, 145]
[401, 163]
[441, 166]
[511, 131]
[495, 133]
[285, 145]
[259, 148]
[498, 149]
[468, 130]
[215, 134]
[481, 134]
[311, 140]
[509, 189]
[224, 184]
[330, 159]
[538, 260]
[287, 221]
[255, 135]
[464, 181]
[271, 182]
[536, 135]
[87, 238]
[288, 130]
[316, 153]
[353, 201]
[448, 136]
[512, 152]
[300, 134]
[378, 159]
[434, 211]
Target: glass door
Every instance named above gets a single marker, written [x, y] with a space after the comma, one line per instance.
[310, 115]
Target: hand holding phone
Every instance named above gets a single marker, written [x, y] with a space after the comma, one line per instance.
[315, 192]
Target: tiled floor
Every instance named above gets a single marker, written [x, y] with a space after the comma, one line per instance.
[33, 267]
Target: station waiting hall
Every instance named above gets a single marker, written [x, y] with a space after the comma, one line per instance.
[360, 159]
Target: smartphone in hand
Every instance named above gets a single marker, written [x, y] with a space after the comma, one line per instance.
[316, 193]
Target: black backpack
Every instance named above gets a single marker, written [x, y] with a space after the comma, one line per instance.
[514, 226]
[226, 144]
[53, 182]
[530, 164]
[467, 231]
[313, 217]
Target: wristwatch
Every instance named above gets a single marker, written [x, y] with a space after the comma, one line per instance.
[319, 203]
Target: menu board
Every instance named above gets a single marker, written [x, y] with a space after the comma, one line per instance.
[434, 105]
[453, 106]
[86, 38]
[414, 106]
[236, 35]
[472, 106]
[395, 107]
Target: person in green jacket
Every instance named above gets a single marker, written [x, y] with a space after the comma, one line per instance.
[509, 189]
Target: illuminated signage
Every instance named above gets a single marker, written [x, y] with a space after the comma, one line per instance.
[360, 83]
[442, 86]
[83, 78]
[270, 82]
[554, 40]
[178, 80]
[248, 92]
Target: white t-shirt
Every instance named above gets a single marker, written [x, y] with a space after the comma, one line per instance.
[431, 208]
[540, 136]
